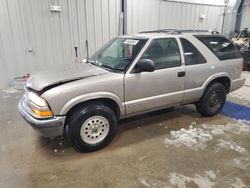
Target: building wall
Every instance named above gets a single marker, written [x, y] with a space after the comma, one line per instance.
[34, 38]
[159, 14]
[245, 23]
[230, 16]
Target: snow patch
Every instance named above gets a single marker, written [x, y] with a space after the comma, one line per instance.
[144, 182]
[143, 157]
[193, 123]
[240, 164]
[238, 183]
[196, 138]
[152, 182]
[180, 180]
[236, 161]
[239, 127]
[52, 178]
[193, 138]
[230, 145]
[211, 174]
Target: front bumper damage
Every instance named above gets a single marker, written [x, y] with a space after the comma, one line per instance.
[50, 127]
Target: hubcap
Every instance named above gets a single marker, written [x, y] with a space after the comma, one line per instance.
[215, 100]
[94, 129]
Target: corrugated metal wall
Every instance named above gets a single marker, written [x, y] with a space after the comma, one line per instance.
[32, 37]
[245, 23]
[230, 17]
[158, 14]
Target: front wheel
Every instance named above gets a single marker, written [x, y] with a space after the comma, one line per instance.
[212, 100]
[92, 127]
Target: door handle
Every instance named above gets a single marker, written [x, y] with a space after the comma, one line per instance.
[181, 74]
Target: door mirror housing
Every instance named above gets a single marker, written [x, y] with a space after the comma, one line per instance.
[144, 65]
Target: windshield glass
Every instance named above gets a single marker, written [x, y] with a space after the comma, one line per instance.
[118, 53]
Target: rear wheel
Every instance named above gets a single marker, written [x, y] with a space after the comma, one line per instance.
[92, 127]
[212, 100]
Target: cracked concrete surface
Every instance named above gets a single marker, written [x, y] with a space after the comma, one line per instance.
[138, 156]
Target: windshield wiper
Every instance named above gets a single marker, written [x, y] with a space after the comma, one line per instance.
[93, 62]
[99, 64]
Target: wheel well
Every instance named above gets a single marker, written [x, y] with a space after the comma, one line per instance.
[223, 80]
[109, 102]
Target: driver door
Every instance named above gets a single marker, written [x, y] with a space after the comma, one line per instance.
[148, 91]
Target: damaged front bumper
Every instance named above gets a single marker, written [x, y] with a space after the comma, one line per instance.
[50, 127]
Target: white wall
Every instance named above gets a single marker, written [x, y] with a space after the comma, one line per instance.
[159, 14]
[52, 36]
[245, 23]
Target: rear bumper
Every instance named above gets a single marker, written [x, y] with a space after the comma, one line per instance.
[51, 127]
[237, 83]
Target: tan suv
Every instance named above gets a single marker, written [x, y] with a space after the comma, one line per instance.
[132, 75]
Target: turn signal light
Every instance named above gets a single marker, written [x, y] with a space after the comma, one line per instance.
[43, 113]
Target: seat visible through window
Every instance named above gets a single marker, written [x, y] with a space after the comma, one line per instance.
[164, 52]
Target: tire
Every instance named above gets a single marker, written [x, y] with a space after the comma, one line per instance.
[212, 100]
[91, 127]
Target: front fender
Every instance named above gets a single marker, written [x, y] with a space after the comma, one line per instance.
[90, 96]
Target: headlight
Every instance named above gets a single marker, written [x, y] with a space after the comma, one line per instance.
[37, 100]
[39, 106]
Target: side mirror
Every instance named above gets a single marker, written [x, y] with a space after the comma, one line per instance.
[145, 65]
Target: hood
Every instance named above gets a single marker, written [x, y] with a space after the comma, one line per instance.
[63, 74]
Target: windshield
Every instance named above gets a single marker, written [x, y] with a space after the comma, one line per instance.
[118, 53]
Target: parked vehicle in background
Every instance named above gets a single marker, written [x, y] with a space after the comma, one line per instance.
[241, 34]
[131, 75]
[242, 41]
[241, 38]
[245, 51]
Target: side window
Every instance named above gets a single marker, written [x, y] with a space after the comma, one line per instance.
[221, 47]
[191, 54]
[164, 52]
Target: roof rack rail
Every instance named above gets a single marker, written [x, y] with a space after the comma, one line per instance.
[169, 31]
[179, 31]
[199, 30]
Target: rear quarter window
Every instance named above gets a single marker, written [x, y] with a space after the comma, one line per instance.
[221, 47]
[191, 54]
